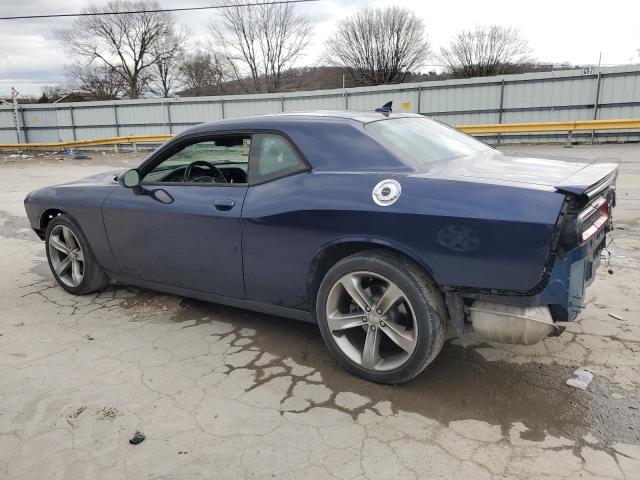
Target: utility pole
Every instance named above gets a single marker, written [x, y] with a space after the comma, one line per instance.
[16, 119]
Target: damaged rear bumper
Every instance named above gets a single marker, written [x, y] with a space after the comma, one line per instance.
[572, 273]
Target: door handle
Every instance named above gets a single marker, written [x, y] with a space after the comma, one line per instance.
[224, 204]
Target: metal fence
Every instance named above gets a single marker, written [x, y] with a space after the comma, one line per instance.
[589, 94]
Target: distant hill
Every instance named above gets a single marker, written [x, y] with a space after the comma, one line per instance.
[301, 79]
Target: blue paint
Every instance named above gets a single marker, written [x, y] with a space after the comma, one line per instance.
[480, 223]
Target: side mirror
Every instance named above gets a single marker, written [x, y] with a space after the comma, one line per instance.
[130, 178]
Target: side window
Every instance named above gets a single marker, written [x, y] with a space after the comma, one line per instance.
[273, 156]
[222, 159]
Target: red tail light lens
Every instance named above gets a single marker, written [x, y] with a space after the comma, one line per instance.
[596, 221]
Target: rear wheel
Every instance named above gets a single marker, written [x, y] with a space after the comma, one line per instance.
[382, 316]
[70, 258]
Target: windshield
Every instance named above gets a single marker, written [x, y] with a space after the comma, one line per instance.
[424, 140]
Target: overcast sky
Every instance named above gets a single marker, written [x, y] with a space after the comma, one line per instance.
[558, 30]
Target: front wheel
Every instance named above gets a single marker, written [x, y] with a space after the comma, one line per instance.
[71, 259]
[382, 316]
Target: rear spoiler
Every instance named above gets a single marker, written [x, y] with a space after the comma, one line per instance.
[591, 180]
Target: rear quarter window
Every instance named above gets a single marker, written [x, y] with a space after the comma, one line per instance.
[272, 156]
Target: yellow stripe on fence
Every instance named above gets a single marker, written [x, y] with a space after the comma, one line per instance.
[588, 125]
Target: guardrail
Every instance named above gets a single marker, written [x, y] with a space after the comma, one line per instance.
[497, 128]
[134, 139]
[621, 124]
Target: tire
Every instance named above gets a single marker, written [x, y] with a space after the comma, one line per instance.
[408, 335]
[75, 269]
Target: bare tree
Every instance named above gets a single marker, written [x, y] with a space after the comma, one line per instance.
[204, 73]
[52, 93]
[261, 41]
[165, 74]
[128, 45]
[379, 46]
[485, 51]
[97, 82]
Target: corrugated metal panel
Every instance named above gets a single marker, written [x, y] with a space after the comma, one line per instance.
[620, 89]
[547, 115]
[40, 118]
[531, 97]
[461, 99]
[371, 101]
[50, 135]
[7, 136]
[193, 113]
[6, 117]
[260, 106]
[302, 104]
[142, 114]
[143, 130]
[103, 115]
[95, 132]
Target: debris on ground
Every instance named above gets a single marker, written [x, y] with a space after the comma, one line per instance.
[581, 379]
[81, 156]
[76, 413]
[107, 413]
[137, 438]
[616, 316]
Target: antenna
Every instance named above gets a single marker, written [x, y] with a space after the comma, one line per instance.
[386, 108]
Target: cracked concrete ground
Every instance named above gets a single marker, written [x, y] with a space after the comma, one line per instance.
[226, 393]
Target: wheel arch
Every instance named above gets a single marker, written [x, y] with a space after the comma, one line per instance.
[331, 253]
[46, 216]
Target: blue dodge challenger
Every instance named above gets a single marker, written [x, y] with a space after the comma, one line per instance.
[392, 232]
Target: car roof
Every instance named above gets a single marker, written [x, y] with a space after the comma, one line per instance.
[283, 119]
[322, 136]
[358, 116]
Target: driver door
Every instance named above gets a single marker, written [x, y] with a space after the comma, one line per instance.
[179, 231]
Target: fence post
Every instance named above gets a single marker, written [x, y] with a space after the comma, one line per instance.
[16, 118]
[501, 108]
[73, 123]
[419, 99]
[569, 139]
[346, 100]
[169, 117]
[115, 116]
[595, 105]
[24, 125]
[282, 104]
[222, 106]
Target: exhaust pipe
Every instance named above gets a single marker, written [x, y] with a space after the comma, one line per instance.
[510, 324]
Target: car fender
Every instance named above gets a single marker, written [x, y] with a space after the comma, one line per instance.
[359, 242]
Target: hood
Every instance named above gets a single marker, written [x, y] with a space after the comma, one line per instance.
[106, 178]
[548, 173]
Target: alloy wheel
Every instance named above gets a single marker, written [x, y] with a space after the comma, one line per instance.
[372, 321]
[67, 257]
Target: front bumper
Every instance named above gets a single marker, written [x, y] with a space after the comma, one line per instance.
[572, 273]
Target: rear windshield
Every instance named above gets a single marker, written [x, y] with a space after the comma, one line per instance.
[424, 140]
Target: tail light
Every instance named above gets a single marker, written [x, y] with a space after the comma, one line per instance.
[593, 218]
